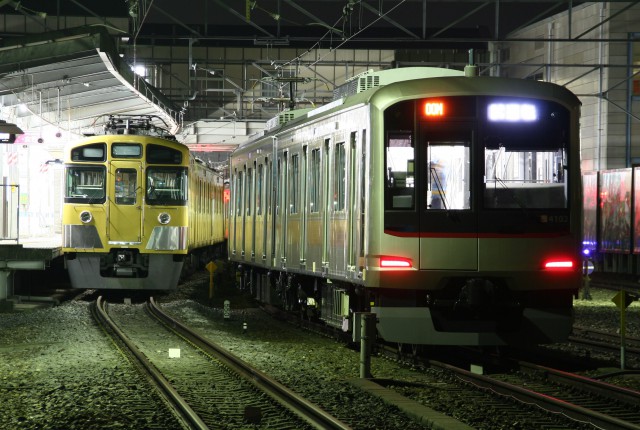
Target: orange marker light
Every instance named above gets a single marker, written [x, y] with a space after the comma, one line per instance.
[395, 262]
[434, 109]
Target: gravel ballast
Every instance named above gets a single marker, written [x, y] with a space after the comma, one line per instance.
[58, 370]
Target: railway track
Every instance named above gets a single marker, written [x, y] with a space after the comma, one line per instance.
[604, 340]
[581, 399]
[207, 387]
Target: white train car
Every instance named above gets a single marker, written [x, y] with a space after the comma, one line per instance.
[449, 205]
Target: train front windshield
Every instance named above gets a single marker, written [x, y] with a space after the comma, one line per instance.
[85, 184]
[522, 143]
[167, 186]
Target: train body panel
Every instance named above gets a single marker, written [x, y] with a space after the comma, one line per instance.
[136, 204]
[449, 206]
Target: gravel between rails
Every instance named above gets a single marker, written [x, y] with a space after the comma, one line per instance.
[57, 371]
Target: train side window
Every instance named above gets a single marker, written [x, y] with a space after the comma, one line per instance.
[400, 171]
[126, 186]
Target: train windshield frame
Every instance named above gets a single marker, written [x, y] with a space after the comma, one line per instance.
[166, 186]
[522, 145]
[85, 184]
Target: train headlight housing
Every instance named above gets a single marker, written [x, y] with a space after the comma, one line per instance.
[86, 217]
[164, 218]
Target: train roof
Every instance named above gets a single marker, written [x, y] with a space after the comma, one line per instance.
[364, 88]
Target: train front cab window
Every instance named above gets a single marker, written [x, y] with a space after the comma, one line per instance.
[525, 156]
[166, 186]
[85, 181]
[85, 184]
[400, 181]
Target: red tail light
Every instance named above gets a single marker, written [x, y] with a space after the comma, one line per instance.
[395, 262]
[559, 264]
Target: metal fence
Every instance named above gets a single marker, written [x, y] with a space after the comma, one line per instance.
[9, 208]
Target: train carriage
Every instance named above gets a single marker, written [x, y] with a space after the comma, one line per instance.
[447, 204]
[137, 205]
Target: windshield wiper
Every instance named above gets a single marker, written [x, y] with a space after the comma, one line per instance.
[512, 194]
[436, 179]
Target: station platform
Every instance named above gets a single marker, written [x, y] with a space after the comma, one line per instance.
[35, 253]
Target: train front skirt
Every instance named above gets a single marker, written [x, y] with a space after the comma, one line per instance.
[412, 325]
[163, 273]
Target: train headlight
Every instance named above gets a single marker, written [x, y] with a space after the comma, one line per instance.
[85, 216]
[164, 218]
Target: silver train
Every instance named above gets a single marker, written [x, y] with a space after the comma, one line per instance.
[447, 204]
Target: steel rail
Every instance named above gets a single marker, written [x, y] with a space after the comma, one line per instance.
[545, 402]
[306, 410]
[165, 388]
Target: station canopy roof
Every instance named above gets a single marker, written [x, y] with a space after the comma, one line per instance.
[74, 79]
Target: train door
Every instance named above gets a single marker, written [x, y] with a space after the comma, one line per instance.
[325, 204]
[281, 211]
[304, 207]
[125, 203]
[352, 208]
[448, 223]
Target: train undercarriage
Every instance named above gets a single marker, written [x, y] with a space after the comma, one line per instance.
[470, 311]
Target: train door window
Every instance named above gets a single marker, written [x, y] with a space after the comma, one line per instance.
[400, 171]
[85, 184]
[314, 182]
[339, 178]
[448, 183]
[294, 180]
[126, 186]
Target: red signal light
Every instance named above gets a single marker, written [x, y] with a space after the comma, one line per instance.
[559, 265]
[434, 109]
[227, 195]
[395, 262]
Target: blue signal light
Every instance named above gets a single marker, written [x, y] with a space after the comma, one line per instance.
[512, 112]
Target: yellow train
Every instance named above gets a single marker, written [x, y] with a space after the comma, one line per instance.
[137, 205]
